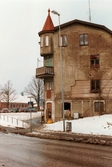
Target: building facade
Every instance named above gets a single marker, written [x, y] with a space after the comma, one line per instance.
[19, 102]
[87, 69]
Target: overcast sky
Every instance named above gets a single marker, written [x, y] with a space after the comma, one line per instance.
[20, 22]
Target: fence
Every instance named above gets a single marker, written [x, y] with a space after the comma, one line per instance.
[10, 121]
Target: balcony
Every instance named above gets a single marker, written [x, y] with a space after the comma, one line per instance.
[44, 72]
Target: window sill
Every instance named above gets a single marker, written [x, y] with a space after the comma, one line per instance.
[95, 66]
[95, 91]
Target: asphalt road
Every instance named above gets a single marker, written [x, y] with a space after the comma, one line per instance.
[22, 151]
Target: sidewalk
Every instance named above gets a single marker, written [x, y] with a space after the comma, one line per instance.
[38, 131]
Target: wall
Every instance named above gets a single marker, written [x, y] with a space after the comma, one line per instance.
[77, 73]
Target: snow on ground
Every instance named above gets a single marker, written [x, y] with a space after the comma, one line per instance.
[17, 119]
[23, 115]
[97, 125]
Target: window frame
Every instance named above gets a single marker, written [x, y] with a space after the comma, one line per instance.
[49, 61]
[96, 60]
[63, 40]
[100, 105]
[95, 86]
[41, 41]
[46, 40]
[49, 85]
[84, 40]
[48, 94]
[49, 88]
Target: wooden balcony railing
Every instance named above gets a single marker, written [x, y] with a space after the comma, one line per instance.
[44, 72]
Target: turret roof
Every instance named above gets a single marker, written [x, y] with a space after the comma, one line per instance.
[48, 26]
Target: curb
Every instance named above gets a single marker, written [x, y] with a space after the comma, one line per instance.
[82, 138]
[65, 136]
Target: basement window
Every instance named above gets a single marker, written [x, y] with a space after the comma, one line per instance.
[95, 86]
[94, 61]
[83, 39]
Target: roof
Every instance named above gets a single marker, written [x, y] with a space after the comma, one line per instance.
[84, 23]
[22, 99]
[48, 26]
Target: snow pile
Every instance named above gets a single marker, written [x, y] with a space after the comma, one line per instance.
[97, 125]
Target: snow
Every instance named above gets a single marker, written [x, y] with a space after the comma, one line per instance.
[23, 99]
[97, 125]
[17, 119]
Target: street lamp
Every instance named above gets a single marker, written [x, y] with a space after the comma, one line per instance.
[61, 69]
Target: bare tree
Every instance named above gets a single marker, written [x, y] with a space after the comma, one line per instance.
[8, 94]
[35, 89]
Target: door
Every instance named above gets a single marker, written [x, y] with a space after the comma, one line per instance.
[49, 111]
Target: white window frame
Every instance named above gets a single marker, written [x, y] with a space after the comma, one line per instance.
[46, 40]
[84, 39]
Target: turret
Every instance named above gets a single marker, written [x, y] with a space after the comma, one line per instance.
[46, 37]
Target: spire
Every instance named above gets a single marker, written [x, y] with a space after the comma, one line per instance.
[49, 26]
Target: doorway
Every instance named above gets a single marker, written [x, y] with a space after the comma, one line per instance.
[67, 109]
[49, 111]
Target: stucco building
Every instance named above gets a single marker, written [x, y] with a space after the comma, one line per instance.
[87, 69]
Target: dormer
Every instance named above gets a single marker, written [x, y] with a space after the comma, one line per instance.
[46, 37]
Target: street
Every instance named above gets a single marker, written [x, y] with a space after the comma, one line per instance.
[22, 151]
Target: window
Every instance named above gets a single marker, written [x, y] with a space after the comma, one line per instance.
[94, 60]
[49, 87]
[63, 40]
[46, 40]
[48, 94]
[41, 41]
[98, 106]
[49, 61]
[83, 39]
[95, 86]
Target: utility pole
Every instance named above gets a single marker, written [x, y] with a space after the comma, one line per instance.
[61, 70]
[30, 105]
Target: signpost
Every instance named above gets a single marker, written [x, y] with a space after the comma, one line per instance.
[30, 105]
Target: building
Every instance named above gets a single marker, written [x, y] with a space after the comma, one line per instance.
[87, 69]
[19, 102]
